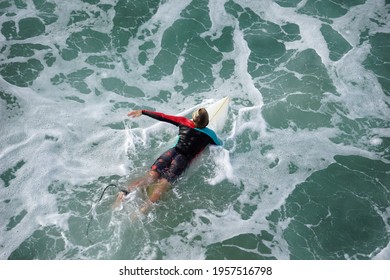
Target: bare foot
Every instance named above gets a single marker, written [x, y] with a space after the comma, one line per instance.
[118, 201]
[145, 207]
[142, 212]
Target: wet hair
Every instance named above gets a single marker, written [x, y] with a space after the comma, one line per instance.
[201, 118]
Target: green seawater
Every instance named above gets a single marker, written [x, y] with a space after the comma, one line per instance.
[305, 168]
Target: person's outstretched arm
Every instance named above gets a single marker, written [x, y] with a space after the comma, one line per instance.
[175, 120]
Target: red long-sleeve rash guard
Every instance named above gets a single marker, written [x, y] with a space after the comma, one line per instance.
[192, 140]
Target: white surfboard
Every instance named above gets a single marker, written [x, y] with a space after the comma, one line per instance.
[218, 112]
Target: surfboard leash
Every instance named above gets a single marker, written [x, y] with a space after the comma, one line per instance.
[100, 198]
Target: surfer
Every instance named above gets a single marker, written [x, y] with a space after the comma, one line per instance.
[194, 136]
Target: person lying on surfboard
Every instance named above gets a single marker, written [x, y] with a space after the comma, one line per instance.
[194, 136]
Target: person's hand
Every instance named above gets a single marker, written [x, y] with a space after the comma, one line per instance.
[135, 114]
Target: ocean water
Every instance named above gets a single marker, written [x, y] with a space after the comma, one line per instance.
[305, 169]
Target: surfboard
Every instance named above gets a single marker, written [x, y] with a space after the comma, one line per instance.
[218, 112]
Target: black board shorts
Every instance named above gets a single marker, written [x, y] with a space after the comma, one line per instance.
[170, 165]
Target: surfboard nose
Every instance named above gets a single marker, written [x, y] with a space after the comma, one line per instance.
[218, 112]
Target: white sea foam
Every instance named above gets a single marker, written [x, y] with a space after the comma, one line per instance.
[219, 19]
[384, 254]
[359, 19]
[223, 166]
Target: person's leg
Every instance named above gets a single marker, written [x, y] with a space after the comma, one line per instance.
[177, 166]
[158, 189]
[150, 178]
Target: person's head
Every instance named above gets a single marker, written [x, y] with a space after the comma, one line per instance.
[200, 118]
